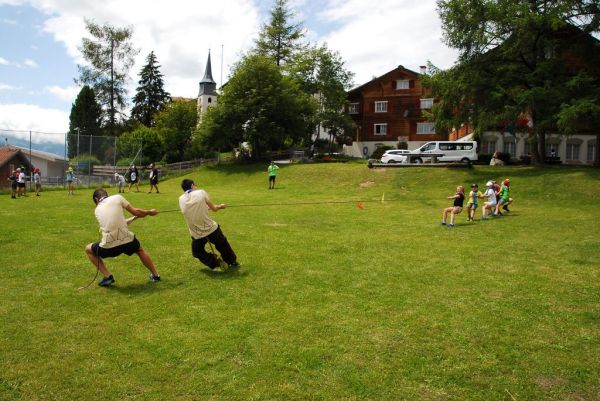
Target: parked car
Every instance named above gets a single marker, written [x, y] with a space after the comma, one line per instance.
[395, 156]
[450, 151]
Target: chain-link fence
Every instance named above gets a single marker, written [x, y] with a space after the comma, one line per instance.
[54, 153]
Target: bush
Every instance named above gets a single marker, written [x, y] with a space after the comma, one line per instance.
[402, 145]
[377, 153]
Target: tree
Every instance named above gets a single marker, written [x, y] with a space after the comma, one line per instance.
[321, 73]
[147, 138]
[84, 119]
[260, 106]
[110, 56]
[514, 60]
[150, 95]
[279, 39]
[175, 123]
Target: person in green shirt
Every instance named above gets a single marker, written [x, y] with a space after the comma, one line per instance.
[504, 197]
[272, 174]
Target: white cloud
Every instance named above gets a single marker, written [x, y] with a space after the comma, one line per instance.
[29, 63]
[4, 61]
[179, 32]
[8, 21]
[376, 37]
[7, 87]
[25, 117]
[67, 94]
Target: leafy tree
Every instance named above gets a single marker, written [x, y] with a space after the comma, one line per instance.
[175, 124]
[321, 73]
[110, 55]
[259, 105]
[279, 39]
[150, 95]
[84, 120]
[514, 59]
[147, 138]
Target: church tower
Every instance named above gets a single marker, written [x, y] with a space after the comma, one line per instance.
[207, 96]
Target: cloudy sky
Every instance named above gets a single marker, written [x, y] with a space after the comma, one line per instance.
[39, 42]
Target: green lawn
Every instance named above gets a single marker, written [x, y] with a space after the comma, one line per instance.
[332, 302]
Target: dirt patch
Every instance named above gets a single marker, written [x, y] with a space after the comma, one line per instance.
[367, 184]
[276, 225]
[547, 383]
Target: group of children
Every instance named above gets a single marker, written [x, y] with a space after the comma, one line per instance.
[18, 184]
[498, 197]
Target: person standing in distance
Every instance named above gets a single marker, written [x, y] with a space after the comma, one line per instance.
[134, 178]
[70, 177]
[272, 174]
[116, 237]
[37, 178]
[195, 204]
[153, 178]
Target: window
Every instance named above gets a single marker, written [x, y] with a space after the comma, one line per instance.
[511, 148]
[380, 129]
[572, 151]
[402, 84]
[488, 146]
[381, 107]
[526, 147]
[425, 128]
[353, 108]
[591, 152]
[551, 148]
[426, 103]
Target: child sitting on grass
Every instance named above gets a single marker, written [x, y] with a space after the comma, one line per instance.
[490, 204]
[457, 206]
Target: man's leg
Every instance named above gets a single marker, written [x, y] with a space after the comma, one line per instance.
[96, 261]
[147, 261]
[222, 245]
[200, 253]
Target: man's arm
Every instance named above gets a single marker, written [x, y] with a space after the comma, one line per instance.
[137, 212]
[213, 207]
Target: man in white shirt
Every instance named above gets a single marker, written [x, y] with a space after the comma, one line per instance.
[116, 237]
[194, 204]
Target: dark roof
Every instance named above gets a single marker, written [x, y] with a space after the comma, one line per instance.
[400, 67]
[8, 153]
[208, 72]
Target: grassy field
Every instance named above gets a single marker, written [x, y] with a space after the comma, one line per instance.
[332, 302]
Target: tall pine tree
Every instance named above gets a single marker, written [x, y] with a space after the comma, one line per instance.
[109, 55]
[280, 39]
[150, 95]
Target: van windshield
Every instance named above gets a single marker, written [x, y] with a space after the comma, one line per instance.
[428, 147]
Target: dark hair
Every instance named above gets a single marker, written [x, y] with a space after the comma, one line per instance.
[98, 194]
[186, 184]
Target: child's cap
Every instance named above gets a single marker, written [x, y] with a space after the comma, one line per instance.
[474, 185]
[489, 183]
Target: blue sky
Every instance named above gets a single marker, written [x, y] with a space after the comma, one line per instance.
[39, 42]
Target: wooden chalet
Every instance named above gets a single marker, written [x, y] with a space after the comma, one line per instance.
[388, 110]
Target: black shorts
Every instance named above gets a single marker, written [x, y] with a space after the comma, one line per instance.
[129, 249]
[272, 178]
[21, 184]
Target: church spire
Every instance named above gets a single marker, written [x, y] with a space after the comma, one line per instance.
[208, 86]
[208, 72]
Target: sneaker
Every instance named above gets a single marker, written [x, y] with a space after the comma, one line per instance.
[505, 208]
[234, 264]
[443, 223]
[106, 281]
[154, 278]
[450, 225]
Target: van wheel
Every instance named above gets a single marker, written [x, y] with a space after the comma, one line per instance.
[418, 160]
[466, 160]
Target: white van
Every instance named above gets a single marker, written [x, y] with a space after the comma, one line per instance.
[447, 151]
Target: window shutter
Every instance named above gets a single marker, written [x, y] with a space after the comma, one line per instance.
[411, 84]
